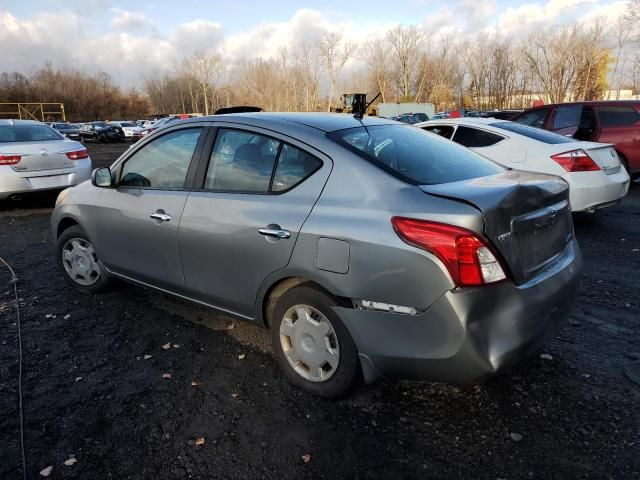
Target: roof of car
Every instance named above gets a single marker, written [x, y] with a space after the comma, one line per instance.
[326, 122]
[588, 102]
[19, 122]
[462, 121]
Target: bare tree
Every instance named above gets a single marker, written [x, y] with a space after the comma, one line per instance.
[375, 54]
[206, 68]
[405, 41]
[335, 53]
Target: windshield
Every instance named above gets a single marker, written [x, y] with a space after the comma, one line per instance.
[99, 124]
[128, 124]
[28, 133]
[64, 126]
[533, 132]
[414, 155]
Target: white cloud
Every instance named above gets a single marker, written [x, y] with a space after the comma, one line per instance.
[526, 17]
[129, 44]
[125, 21]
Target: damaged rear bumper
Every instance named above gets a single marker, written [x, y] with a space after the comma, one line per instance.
[468, 333]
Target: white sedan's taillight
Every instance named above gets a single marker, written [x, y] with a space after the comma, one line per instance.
[9, 159]
[78, 154]
[575, 161]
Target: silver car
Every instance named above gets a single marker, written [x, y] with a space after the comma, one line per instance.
[369, 248]
[34, 156]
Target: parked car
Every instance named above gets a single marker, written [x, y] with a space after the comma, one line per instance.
[69, 130]
[411, 118]
[35, 157]
[500, 114]
[368, 247]
[153, 127]
[593, 170]
[129, 128]
[615, 121]
[101, 132]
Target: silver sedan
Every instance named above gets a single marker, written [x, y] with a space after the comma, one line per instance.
[370, 248]
[34, 156]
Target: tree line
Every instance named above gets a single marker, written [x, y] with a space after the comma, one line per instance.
[559, 63]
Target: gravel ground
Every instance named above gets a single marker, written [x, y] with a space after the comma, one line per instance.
[94, 389]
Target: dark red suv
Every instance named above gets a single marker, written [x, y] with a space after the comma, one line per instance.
[615, 121]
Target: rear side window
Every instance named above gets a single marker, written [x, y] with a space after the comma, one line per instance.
[243, 161]
[162, 163]
[566, 117]
[445, 131]
[617, 116]
[472, 137]
[28, 133]
[413, 155]
[534, 133]
[534, 118]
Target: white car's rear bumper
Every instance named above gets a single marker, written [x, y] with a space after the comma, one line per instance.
[12, 183]
[589, 191]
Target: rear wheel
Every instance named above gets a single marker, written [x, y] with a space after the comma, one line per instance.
[79, 262]
[311, 343]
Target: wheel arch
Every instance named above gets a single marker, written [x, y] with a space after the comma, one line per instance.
[272, 289]
[64, 224]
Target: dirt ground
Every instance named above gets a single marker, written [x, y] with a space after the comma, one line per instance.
[94, 387]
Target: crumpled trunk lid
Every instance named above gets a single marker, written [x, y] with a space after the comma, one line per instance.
[527, 216]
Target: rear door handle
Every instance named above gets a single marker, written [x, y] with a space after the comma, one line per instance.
[163, 217]
[274, 232]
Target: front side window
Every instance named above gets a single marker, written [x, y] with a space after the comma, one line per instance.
[28, 133]
[413, 155]
[534, 118]
[473, 137]
[566, 117]
[162, 163]
[617, 116]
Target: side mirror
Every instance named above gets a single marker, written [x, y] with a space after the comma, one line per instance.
[101, 177]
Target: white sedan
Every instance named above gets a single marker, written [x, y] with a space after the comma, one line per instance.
[593, 171]
[129, 128]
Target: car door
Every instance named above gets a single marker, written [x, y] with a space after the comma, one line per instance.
[566, 120]
[620, 125]
[534, 118]
[257, 190]
[137, 221]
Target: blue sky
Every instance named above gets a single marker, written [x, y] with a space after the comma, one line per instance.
[145, 36]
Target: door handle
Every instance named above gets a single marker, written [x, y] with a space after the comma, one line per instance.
[163, 217]
[275, 232]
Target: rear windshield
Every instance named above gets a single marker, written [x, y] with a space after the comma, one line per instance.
[28, 133]
[414, 155]
[533, 132]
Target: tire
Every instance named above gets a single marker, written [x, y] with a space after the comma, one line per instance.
[93, 278]
[309, 374]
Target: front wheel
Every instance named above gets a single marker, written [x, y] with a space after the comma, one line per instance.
[311, 343]
[79, 262]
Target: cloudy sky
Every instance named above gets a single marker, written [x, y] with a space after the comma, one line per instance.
[134, 38]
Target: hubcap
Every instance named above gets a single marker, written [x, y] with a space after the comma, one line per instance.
[80, 261]
[309, 343]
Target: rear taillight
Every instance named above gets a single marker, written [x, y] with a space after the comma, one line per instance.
[78, 154]
[575, 161]
[9, 159]
[468, 259]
